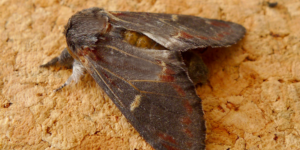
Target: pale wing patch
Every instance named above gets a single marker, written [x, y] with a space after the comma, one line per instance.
[178, 35]
[207, 22]
[174, 17]
[136, 103]
[163, 64]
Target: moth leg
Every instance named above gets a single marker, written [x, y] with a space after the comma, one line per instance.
[77, 73]
[64, 59]
[197, 70]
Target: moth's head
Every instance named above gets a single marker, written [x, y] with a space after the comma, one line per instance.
[86, 27]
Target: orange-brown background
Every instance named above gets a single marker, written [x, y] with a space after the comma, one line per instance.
[251, 100]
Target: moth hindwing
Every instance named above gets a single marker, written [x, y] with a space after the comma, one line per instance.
[142, 62]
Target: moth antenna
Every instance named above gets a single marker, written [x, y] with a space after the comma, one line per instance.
[64, 59]
[52, 62]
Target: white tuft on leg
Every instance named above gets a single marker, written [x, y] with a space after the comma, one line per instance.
[78, 72]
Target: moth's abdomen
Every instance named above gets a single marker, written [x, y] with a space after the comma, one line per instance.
[141, 40]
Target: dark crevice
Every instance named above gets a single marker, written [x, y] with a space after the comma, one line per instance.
[39, 94]
[6, 105]
[249, 58]
[280, 80]
[275, 137]
[272, 4]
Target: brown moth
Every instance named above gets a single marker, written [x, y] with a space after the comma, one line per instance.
[147, 64]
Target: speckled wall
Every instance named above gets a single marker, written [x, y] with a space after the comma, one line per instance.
[251, 100]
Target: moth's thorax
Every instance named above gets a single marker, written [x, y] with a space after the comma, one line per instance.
[86, 28]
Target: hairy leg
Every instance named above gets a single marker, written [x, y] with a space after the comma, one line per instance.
[66, 60]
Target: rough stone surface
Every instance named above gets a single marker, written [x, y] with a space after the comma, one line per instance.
[251, 100]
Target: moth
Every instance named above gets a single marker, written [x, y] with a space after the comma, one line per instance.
[147, 63]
